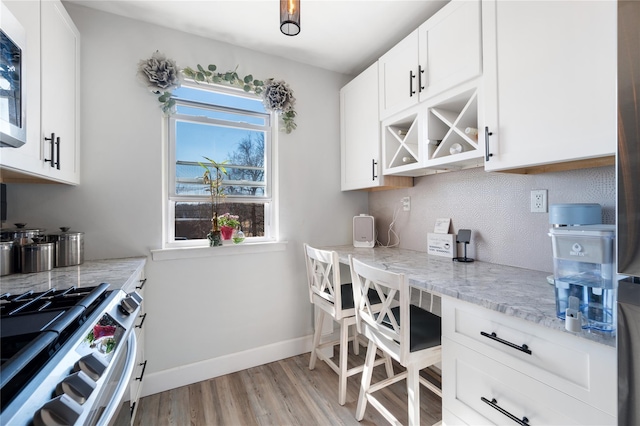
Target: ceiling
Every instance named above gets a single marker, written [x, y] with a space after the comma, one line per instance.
[343, 36]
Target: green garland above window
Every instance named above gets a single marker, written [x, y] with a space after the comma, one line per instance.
[162, 76]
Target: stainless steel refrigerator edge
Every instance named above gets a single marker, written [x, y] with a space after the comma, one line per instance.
[628, 211]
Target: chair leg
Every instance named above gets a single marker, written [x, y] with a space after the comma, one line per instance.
[388, 365]
[316, 338]
[344, 355]
[413, 392]
[356, 341]
[366, 379]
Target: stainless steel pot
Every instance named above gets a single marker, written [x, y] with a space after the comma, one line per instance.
[69, 247]
[7, 258]
[36, 257]
[21, 235]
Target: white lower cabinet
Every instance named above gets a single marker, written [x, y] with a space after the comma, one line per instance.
[499, 369]
[135, 385]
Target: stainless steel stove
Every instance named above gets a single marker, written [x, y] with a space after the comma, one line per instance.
[67, 356]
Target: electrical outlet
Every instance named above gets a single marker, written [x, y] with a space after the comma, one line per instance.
[539, 201]
[406, 204]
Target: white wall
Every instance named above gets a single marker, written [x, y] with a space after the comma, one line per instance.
[198, 309]
[496, 207]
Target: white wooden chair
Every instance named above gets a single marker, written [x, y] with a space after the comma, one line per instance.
[407, 333]
[334, 298]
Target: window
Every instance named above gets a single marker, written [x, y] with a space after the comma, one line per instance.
[229, 127]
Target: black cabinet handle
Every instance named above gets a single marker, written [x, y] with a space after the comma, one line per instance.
[144, 367]
[487, 154]
[374, 163]
[133, 408]
[144, 317]
[52, 142]
[420, 72]
[58, 153]
[142, 282]
[411, 77]
[494, 336]
[494, 404]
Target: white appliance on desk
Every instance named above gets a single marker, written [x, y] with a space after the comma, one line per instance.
[364, 231]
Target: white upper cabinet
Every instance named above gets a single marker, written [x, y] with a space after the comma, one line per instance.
[28, 157]
[450, 47]
[60, 72]
[360, 135]
[441, 53]
[52, 60]
[399, 77]
[550, 82]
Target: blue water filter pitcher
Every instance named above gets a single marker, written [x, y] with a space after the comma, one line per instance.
[584, 274]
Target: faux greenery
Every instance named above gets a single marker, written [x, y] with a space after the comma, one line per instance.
[161, 76]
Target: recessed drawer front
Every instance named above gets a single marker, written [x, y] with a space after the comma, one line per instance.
[510, 342]
[583, 369]
[480, 390]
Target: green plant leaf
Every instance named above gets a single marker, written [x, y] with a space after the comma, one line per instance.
[212, 67]
[248, 78]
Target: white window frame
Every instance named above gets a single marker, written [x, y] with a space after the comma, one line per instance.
[271, 193]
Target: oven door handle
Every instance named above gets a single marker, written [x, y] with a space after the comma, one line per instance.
[123, 385]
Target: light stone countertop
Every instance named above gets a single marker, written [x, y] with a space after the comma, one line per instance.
[516, 292]
[118, 273]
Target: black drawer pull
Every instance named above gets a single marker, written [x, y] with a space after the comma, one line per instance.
[494, 404]
[144, 366]
[142, 283]
[494, 336]
[133, 408]
[144, 317]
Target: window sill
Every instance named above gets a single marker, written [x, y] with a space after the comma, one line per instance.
[225, 250]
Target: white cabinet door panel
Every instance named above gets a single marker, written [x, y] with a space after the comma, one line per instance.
[550, 81]
[450, 47]
[398, 77]
[60, 76]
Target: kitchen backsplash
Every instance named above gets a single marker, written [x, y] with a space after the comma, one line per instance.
[495, 206]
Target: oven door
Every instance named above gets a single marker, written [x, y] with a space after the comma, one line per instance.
[115, 393]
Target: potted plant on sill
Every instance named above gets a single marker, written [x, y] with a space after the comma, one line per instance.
[228, 223]
[213, 180]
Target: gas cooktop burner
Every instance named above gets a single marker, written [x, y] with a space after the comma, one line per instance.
[33, 326]
[67, 355]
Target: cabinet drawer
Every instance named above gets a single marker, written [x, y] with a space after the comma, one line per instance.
[578, 367]
[473, 376]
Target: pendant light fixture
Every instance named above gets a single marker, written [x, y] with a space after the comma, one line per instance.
[290, 17]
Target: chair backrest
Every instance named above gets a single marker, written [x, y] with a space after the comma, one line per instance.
[323, 276]
[377, 321]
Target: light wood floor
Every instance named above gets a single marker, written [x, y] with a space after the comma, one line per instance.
[285, 392]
